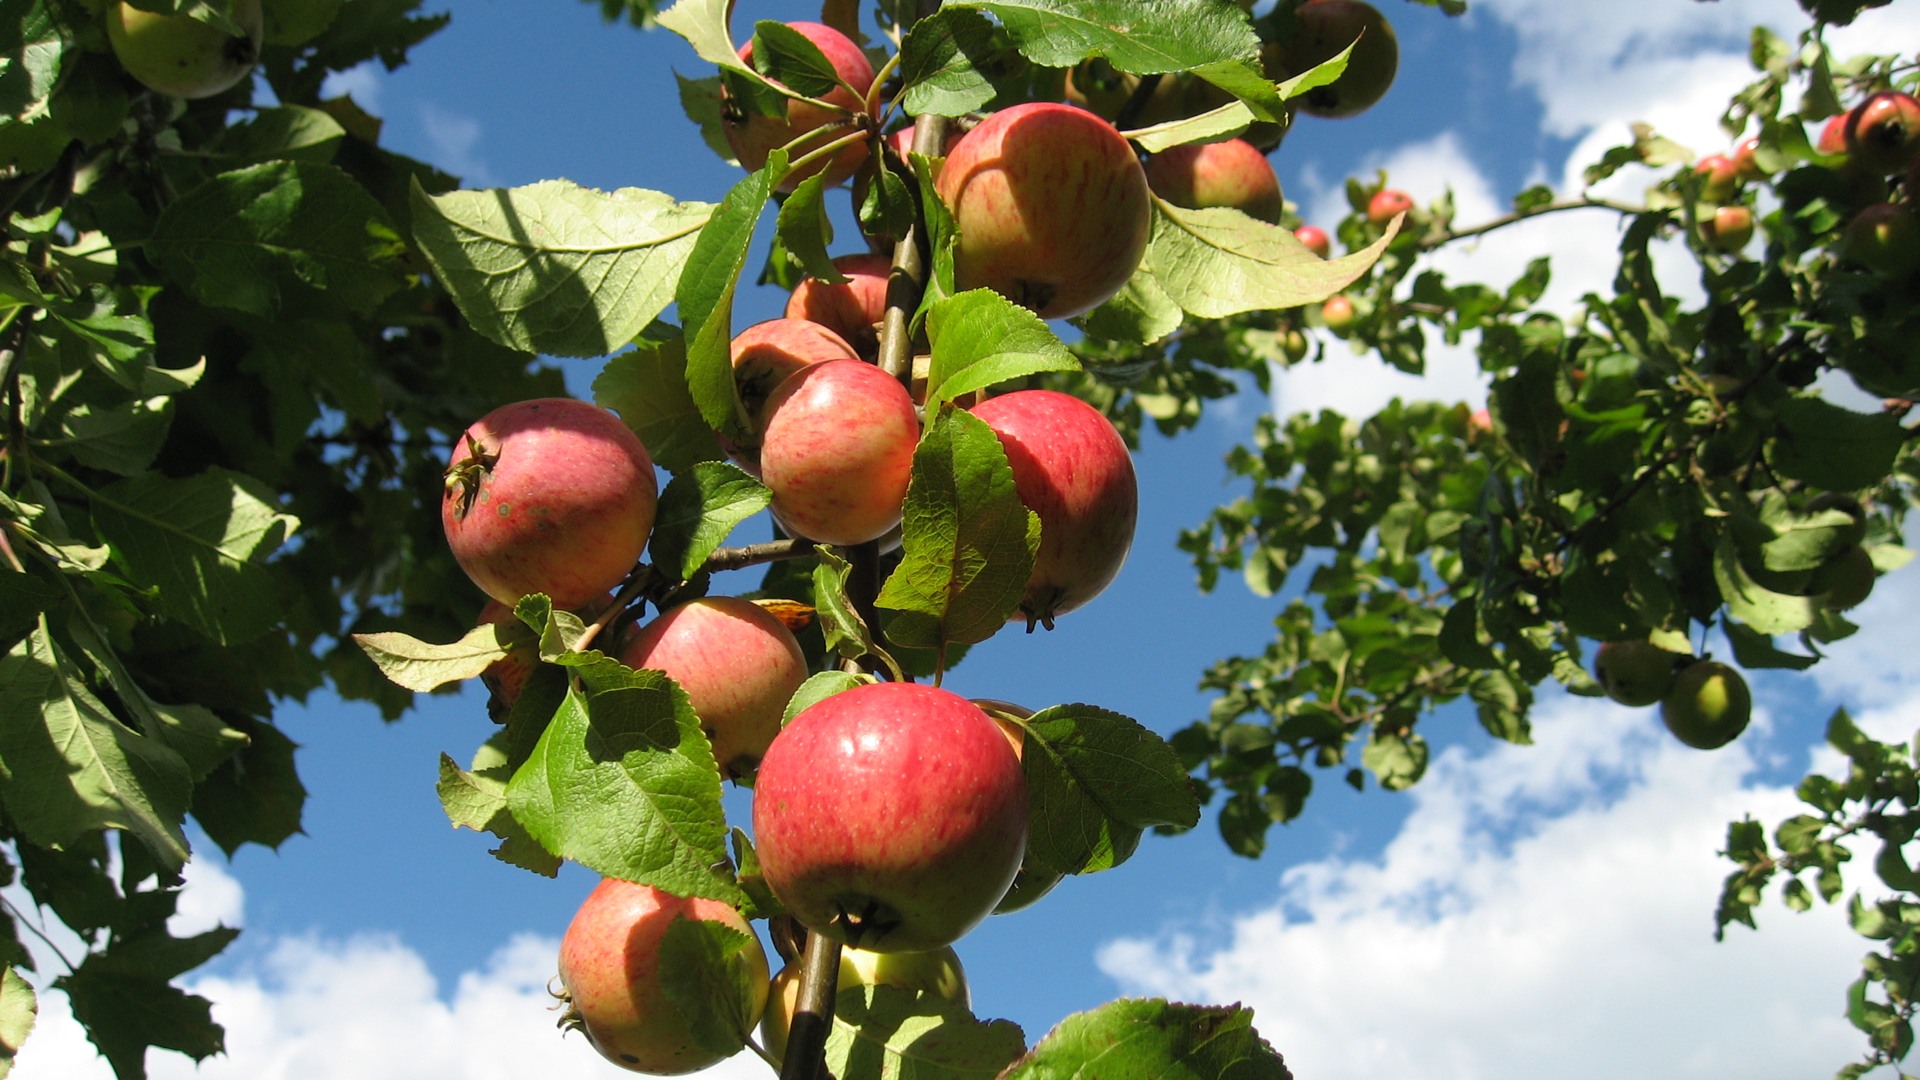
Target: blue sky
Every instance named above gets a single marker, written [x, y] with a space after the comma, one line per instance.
[1522, 909]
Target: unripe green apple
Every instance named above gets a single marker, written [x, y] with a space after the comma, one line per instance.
[936, 974]
[753, 135]
[1884, 238]
[1052, 207]
[1230, 173]
[1708, 705]
[1337, 313]
[1635, 673]
[181, 56]
[1322, 29]
[1845, 504]
[1846, 580]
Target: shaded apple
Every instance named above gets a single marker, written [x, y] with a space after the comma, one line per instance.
[1230, 173]
[612, 983]
[1635, 673]
[1052, 207]
[764, 355]
[1884, 238]
[738, 664]
[1322, 28]
[851, 309]
[1883, 133]
[1072, 469]
[837, 452]
[553, 496]
[890, 817]
[181, 56]
[753, 135]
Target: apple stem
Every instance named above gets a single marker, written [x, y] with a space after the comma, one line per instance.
[813, 1013]
[906, 281]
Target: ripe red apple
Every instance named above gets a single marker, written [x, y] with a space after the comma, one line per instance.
[738, 664]
[1833, 136]
[838, 448]
[1230, 173]
[1052, 207]
[552, 496]
[1387, 204]
[891, 816]
[1322, 29]
[610, 969]
[181, 56]
[763, 356]
[1884, 238]
[1635, 673]
[1072, 469]
[1883, 132]
[1708, 706]
[753, 135]
[1728, 228]
[1337, 314]
[1719, 176]
[1745, 166]
[936, 974]
[852, 309]
[1315, 238]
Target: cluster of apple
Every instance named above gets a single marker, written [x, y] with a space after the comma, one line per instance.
[1706, 703]
[1874, 148]
[179, 55]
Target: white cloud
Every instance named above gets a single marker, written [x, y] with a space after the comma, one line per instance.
[1543, 909]
[364, 83]
[454, 141]
[365, 1008]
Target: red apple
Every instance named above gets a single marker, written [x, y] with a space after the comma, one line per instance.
[838, 449]
[1883, 133]
[764, 355]
[553, 496]
[1337, 314]
[1387, 204]
[1719, 176]
[738, 664]
[1315, 238]
[1052, 207]
[1230, 173]
[1324, 27]
[891, 817]
[753, 135]
[1072, 469]
[1884, 238]
[1745, 166]
[610, 969]
[1728, 228]
[852, 309]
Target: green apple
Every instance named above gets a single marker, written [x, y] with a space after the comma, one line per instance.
[1846, 580]
[936, 973]
[181, 56]
[1708, 706]
[1635, 673]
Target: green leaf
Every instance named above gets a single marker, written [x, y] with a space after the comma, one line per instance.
[980, 338]
[123, 438]
[1140, 313]
[423, 667]
[202, 543]
[883, 1031]
[18, 1009]
[1097, 780]
[789, 57]
[623, 782]
[707, 972]
[477, 800]
[69, 767]
[1830, 447]
[1765, 611]
[22, 598]
[1134, 1039]
[699, 508]
[1398, 761]
[705, 296]
[127, 1005]
[1220, 262]
[243, 239]
[703, 23]
[1805, 543]
[1216, 123]
[847, 634]
[32, 44]
[294, 132]
[1752, 649]
[647, 386]
[941, 61]
[820, 686]
[557, 268]
[254, 797]
[803, 229]
[1145, 39]
[968, 540]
